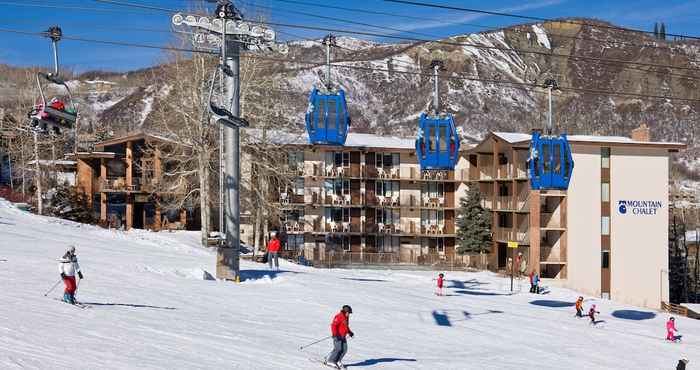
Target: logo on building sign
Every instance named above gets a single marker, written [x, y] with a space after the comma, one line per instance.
[639, 207]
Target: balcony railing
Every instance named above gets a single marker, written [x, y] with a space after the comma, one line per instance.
[433, 202]
[433, 260]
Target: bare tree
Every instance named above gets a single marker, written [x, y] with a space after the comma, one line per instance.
[189, 146]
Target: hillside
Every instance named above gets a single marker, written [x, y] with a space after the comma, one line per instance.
[390, 97]
[150, 308]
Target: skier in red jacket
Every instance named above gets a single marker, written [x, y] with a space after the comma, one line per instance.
[340, 329]
[273, 249]
[440, 281]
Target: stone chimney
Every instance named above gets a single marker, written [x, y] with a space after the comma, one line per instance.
[641, 133]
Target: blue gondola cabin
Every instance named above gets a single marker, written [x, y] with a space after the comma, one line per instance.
[437, 144]
[327, 119]
[550, 163]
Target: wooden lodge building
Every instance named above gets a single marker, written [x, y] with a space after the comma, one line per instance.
[120, 179]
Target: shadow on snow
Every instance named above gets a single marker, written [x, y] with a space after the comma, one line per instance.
[127, 305]
[551, 303]
[259, 274]
[365, 280]
[633, 315]
[459, 284]
[376, 361]
[479, 292]
[442, 317]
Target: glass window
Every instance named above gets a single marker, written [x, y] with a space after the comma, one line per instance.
[605, 157]
[444, 139]
[298, 186]
[321, 113]
[295, 158]
[294, 242]
[605, 225]
[431, 139]
[605, 192]
[605, 259]
[441, 245]
[346, 244]
[332, 106]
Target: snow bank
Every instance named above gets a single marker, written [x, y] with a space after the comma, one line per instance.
[541, 34]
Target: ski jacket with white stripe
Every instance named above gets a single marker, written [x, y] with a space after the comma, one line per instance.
[68, 266]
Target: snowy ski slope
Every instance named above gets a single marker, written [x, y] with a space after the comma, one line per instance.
[151, 309]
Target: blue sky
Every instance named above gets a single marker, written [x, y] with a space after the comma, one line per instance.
[118, 23]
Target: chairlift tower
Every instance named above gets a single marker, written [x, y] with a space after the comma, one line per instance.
[227, 33]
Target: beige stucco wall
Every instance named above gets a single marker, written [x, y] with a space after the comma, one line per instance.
[583, 222]
[639, 243]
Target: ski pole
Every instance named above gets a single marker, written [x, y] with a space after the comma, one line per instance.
[318, 341]
[53, 287]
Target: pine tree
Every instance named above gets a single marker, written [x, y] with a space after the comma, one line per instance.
[68, 203]
[662, 31]
[473, 224]
[656, 30]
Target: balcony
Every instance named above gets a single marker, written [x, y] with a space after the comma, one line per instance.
[549, 221]
[505, 202]
[293, 226]
[550, 254]
[505, 235]
[433, 229]
[342, 227]
[505, 171]
[384, 201]
[433, 202]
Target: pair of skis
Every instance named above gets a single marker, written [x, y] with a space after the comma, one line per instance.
[76, 304]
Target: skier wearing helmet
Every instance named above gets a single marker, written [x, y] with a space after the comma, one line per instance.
[273, 248]
[68, 267]
[339, 330]
[591, 314]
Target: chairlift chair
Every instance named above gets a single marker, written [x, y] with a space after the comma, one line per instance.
[220, 114]
[53, 115]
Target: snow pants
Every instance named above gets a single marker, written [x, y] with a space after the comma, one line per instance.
[271, 256]
[69, 282]
[579, 312]
[340, 348]
[69, 291]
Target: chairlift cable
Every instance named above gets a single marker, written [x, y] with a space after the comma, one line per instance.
[337, 64]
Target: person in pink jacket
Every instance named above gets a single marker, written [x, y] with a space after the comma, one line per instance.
[671, 331]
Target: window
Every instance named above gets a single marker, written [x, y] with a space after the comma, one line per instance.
[387, 160]
[298, 186]
[432, 217]
[431, 139]
[295, 159]
[294, 242]
[338, 159]
[441, 245]
[347, 247]
[292, 215]
[604, 157]
[605, 259]
[388, 216]
[387, 244]
[386, 188]
[321, 114]
[444, 138]
[337, 215]
[434, 189]
[605, 192]
[337, 187]
[605, 225]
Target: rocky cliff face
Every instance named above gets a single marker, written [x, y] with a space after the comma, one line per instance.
[390, 85]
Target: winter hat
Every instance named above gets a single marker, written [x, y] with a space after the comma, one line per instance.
[347, 309]
[673, 318]
[593, 307]
[71, 248]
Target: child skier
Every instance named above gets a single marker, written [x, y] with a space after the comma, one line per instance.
[339, 330]
[579, 307]
[440, 281]
[591, 314]
[68, 266]
[671, 331]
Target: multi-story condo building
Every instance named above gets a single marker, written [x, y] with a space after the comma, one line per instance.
[607, 235]
[368, 201]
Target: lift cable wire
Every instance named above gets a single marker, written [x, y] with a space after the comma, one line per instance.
[444, 42]
[532, 18]
[338, 64]
[484, 27]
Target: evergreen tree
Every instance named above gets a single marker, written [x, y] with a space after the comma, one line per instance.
[473, 224]
[662, 31]
[656, 30]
